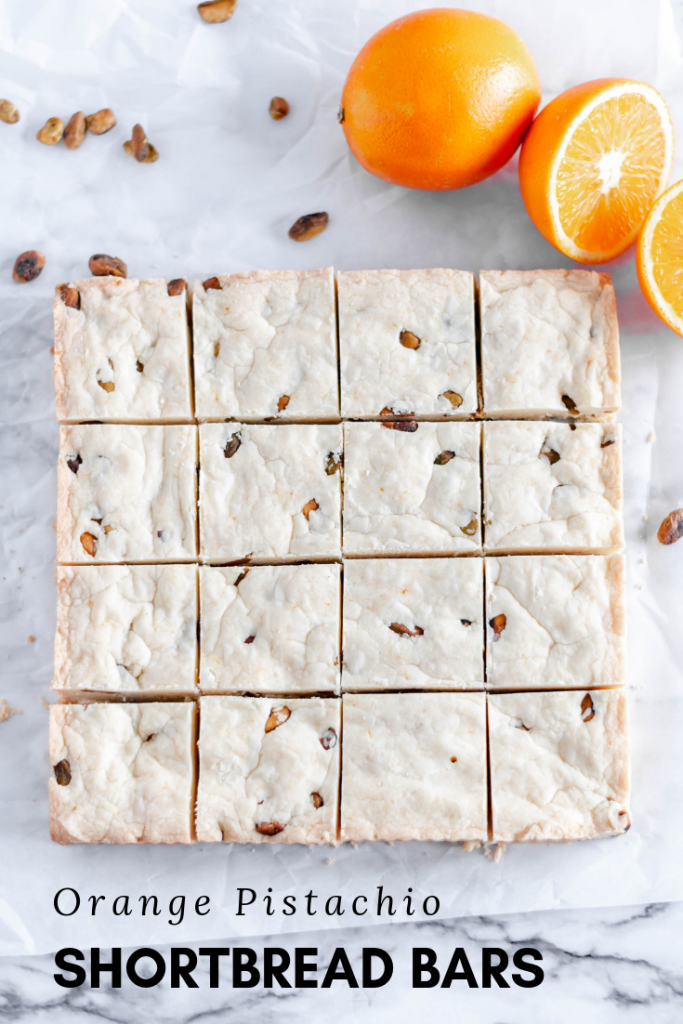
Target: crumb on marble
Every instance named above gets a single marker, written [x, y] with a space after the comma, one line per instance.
[494, 851]
[6, 711]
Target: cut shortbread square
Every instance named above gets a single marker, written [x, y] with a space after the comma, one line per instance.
[549, 343]
[552, 487]
[270, 629]
[123, 353]
[559, 765]
[555, 621]
[270, 492]
[126, 630]
[265, 346]
[414, 767]
[122, 773]
[411, 488]
[126, 493]
[413, 623]
[406, 340]
[268, 771]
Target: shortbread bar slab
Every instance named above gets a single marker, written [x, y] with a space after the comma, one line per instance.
[406, 340]
[559, 765]
[555, 621]
[270, 629]
[270, 492]
[123, 353]
[265, 346]
[413, 623]
[549, 343]
[126, 630]
[552, 487]
[411, 488]
[414, 767]
[122, 773]
[126, 493]
[268, 770]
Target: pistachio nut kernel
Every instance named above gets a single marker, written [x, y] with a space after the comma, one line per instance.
[587, 708]
[232, 445]
[101, 265]
[51, 132]
[309, 507]
[398, 627]
[308, 226]
[270, 828]
[101, 122]
[453, 397]
[278, 716]
[62, 772]
[278, 108]
[671, 528]
[75, 130]
[498, 624]
[409, 340]
[215, 12]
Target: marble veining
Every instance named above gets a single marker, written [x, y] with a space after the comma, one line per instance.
[601, 967]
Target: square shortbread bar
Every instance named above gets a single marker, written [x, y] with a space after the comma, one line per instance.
[270, 492]
[265, 346]
[549, 343]
[126, 493]
[414, 767]
[413, 623]
[126, 629]
[552, 487]
[555, 621]
[124, 353]
[406, 341]
[559, 765]
[268, 771]
[122, 773]
[270, 629]
[411, 488]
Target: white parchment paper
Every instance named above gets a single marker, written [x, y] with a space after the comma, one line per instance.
[229, 184]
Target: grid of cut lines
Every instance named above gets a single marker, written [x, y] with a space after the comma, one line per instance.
[488, 634]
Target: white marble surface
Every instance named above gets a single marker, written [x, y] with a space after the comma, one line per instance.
[223, 198]
[601, 967]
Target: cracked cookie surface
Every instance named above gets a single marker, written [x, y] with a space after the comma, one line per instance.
[401, 497]
[406, 342]
[549, 336]
[265, 492]
[126, 629]
[262, 337]
[270, 629]
[123, 353]
[413, 623]
[564, 621]
[568, 502]
[414, 767]
[559, 765]
[268, 770]
[122, 773]
[126, 493]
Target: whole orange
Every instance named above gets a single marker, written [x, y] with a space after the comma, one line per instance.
[439, 99]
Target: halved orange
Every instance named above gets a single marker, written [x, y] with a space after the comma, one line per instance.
[593, 163]
[660, 257]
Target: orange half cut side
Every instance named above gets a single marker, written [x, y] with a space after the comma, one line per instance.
[660, 257]
[592, 165]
